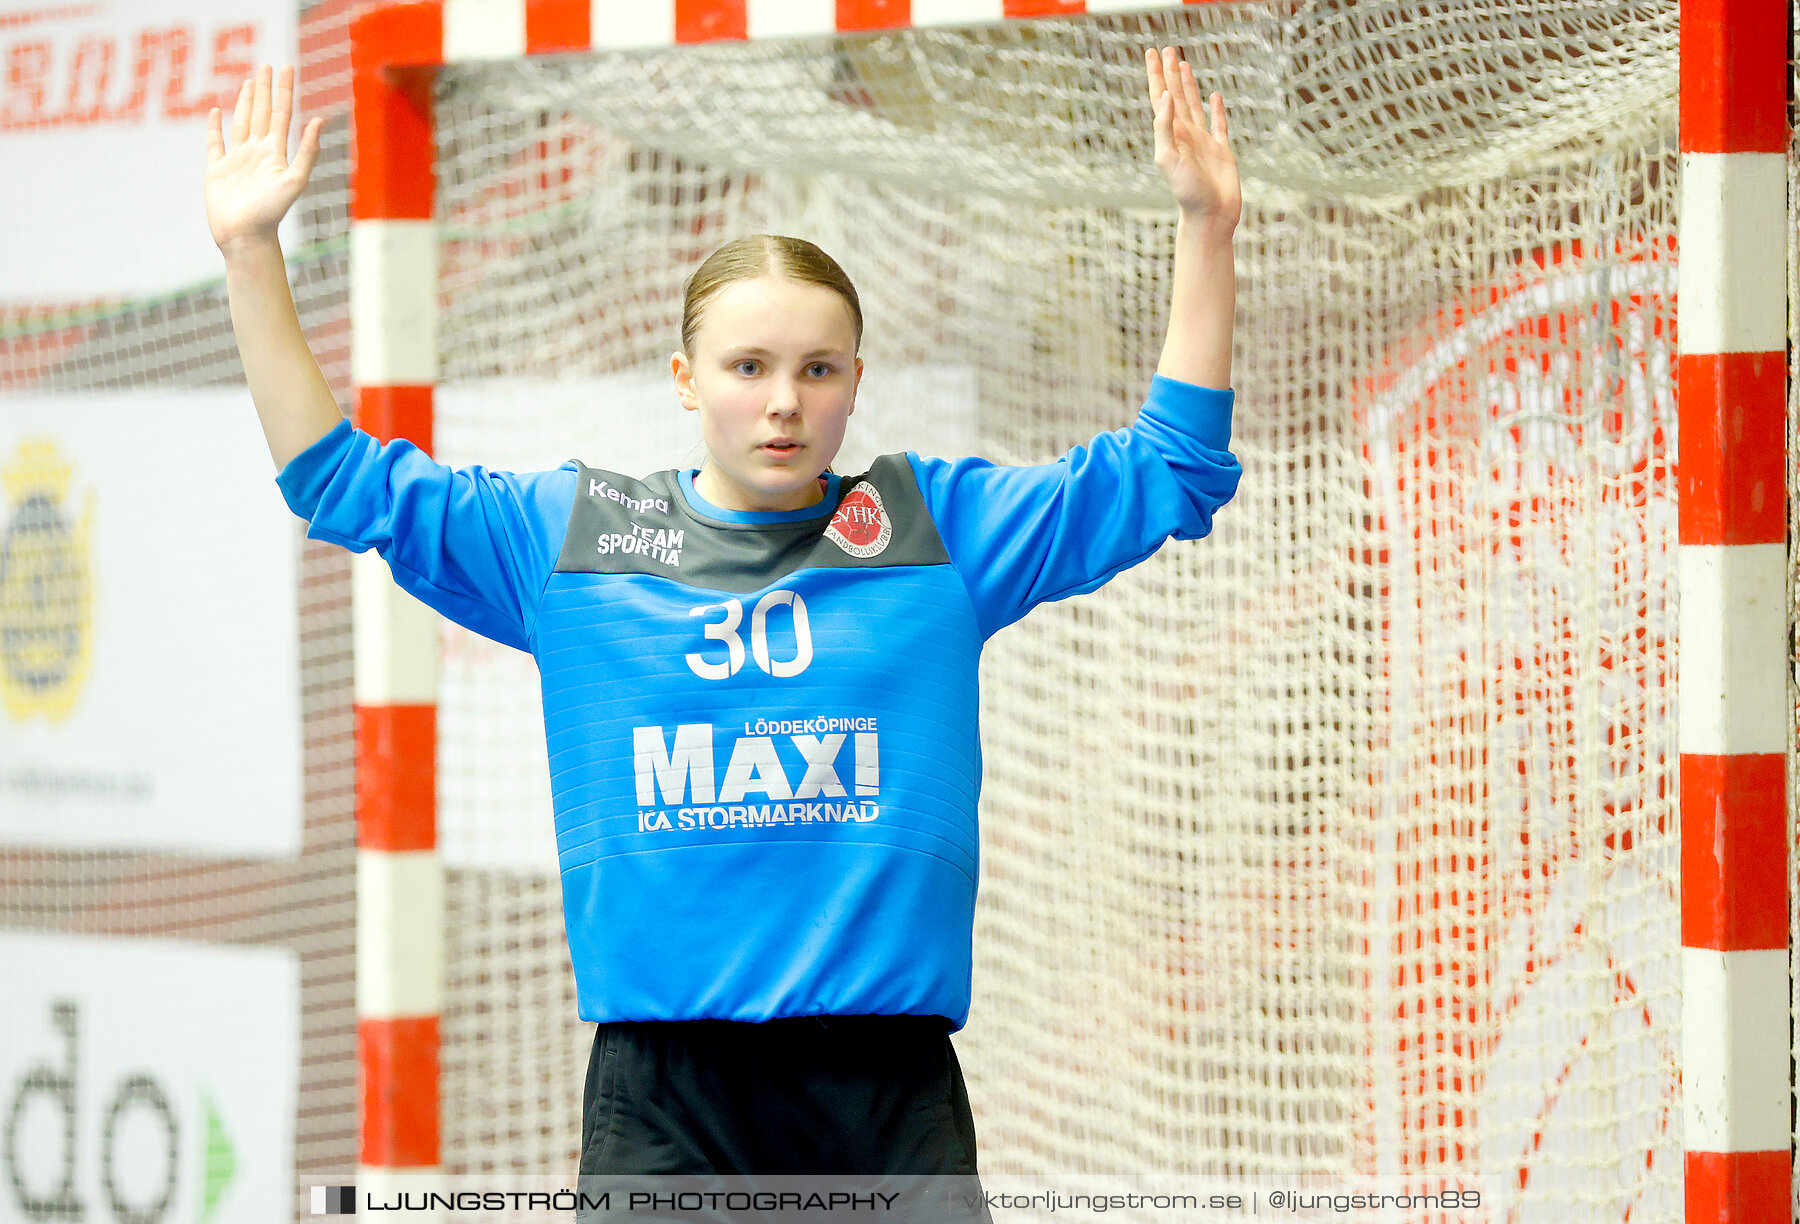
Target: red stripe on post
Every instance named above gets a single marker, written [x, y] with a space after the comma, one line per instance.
[399, 1092]
[855, 15]
[387, 413]
[394, 53]
[398, 35]
[1738, 1187]
[1043, 8]
[702, 21]
[1734, 76]
[557, 25]
[392, 177]
[396, 777]
[1734, 890]
[1733, 447]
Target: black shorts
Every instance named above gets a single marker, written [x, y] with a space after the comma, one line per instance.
[810, 1096]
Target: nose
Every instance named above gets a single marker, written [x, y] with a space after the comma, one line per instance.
[784, 399]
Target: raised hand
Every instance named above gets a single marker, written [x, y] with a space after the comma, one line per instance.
[251, 187]
[1195, 162]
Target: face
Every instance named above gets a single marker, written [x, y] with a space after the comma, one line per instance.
[773, 376]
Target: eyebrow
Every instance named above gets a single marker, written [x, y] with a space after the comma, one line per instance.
[763, 352]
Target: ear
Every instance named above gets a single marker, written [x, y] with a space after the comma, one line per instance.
[853, 389]
[683, 370]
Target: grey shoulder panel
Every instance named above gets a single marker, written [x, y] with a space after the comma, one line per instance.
[890, 487]
[620, 524]
[624, 525]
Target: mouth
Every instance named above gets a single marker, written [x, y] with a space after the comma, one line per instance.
[781, 447]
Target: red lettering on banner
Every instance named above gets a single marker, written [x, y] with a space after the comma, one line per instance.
[90, 80]
[61, 14]
[151, 47]
[142, 69]
[178, 45]
[27, 79]
[80, 73]
[228, 72]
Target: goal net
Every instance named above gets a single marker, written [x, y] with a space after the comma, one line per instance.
[140, 902]
[1341, 842]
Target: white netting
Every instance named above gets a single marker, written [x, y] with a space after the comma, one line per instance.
[1342, 841]
[306, 904]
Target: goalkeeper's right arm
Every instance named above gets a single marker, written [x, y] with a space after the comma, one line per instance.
[248, 191]
[478, 546]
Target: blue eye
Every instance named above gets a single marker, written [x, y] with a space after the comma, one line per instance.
[823, 368]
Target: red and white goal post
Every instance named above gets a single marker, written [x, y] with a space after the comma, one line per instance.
[1340, 843]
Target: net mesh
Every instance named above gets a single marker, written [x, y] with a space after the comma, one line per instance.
[1343, 841]
[184, 340]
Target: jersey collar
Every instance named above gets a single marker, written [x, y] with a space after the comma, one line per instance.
[700, 506]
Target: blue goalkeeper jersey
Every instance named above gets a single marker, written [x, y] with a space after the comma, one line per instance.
[762, 727]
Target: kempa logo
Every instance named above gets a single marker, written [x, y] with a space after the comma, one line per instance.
[861, 526]
[643, 505]
[139, 1103]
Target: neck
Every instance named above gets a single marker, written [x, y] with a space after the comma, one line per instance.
[727, 495]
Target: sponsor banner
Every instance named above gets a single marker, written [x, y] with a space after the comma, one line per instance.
[103, 107]
[143, 1080]
[494, 806]
[149, 654]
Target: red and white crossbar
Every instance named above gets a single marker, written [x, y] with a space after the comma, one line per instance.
[396, 51]
[1734, 720]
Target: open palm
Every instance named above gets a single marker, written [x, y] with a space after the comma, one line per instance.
[1196, 163]
[250, 187]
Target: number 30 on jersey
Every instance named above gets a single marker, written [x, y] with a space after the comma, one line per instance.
[726, 631]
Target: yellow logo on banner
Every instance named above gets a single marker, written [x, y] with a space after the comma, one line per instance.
[46, 586]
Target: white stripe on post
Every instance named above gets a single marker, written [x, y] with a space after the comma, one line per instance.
[956, 12]
[631, 23]
[396, 638]
[393, 303]
[399, 894]
[1733, 621]
[1734, 1018]
[1732, 295]
[483, 30]
[789, 18]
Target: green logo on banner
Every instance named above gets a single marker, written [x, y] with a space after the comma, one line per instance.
[221, 1164]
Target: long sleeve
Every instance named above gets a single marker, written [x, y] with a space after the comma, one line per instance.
[476, 545]
[1021, 536]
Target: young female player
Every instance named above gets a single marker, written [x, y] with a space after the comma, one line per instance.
[759, 677]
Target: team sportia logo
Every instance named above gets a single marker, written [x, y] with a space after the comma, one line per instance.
[861, 526]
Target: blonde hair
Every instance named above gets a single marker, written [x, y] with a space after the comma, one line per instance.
[755, 255]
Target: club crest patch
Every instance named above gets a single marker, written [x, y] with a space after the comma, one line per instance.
[861, 526]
